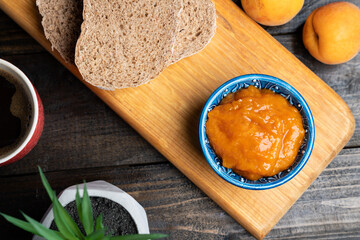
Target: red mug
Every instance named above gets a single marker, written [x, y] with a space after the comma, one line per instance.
[36, 121]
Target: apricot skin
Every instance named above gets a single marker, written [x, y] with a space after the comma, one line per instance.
[331, 33]
[272, 12]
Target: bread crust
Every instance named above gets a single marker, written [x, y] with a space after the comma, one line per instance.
[61, 20]
[197, 26]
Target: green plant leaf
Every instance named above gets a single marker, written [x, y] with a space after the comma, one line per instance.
[43, 231]
[20, 223]
[66, 222]
[96, 235]
[139, 237]
[99, 223]
[87, 213]
[62, 224]
[78, 204]
[46, 184]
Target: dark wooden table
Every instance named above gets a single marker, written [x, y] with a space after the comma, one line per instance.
[85, 139]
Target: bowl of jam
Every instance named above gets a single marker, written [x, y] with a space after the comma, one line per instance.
[256, 131]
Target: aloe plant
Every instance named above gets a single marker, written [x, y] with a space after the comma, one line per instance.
[67, 228]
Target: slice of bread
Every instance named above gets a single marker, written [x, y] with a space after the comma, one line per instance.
[126, 43]
[61, 20]
[196, 28]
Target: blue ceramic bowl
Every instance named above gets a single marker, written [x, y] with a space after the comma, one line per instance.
[295, 99]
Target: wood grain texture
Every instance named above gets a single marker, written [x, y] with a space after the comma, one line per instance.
[76, 121]
[14, 40]
[329, 209]
[197, 84]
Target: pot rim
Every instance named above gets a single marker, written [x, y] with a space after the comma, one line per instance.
[102, 189]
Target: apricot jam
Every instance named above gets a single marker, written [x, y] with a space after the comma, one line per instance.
[257, 133]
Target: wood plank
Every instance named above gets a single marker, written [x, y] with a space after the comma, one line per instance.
[14, 40]
[329, 209]
[187, 84]
[80, 130]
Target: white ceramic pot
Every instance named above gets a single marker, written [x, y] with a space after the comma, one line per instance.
[105, 190]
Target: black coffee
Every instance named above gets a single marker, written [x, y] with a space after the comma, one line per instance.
[15, 113]
[10, 126]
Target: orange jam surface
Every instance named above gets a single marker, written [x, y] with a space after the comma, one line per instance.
[255, 132]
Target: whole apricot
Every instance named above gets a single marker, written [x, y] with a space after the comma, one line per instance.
[332, 32]
[272, 12]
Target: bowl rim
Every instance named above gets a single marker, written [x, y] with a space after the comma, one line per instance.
[295, 93]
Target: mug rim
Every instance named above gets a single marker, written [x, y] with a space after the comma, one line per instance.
[19, 75]
[308, 114]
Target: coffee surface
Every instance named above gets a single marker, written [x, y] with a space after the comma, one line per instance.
[10, 126]
[15, 113]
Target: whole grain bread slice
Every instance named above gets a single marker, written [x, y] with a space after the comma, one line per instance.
[196, 28]
[126, 43]
[61, 20]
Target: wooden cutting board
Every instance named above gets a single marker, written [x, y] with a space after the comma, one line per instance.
[166, 111]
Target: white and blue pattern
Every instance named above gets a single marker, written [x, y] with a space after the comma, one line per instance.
[294, 98]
